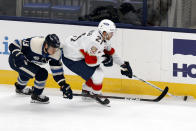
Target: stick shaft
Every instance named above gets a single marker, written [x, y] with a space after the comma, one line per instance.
[151, 84]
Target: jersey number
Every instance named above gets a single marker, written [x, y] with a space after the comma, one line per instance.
[98, 39]
[26, 42]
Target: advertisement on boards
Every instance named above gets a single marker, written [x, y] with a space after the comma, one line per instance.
[179, 58]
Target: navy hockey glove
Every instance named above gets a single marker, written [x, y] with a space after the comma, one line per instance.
[67, 92]
[127, 71]
[108, 60]
[20, 60]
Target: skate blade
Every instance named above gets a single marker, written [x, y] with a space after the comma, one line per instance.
[87, 99]
[38, 102]
[22, 94]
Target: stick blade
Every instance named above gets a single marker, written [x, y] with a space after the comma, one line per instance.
[162, 94]
[159, 97]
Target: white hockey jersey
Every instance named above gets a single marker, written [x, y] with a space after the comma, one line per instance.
[89, 46]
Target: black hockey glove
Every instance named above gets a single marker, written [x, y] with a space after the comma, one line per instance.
[20, 60]
[67, 92]
[108, 60]
[127, 71]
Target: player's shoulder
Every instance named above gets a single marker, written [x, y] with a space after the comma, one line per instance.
[94, 36]
[36, 44]
[93, 33]
[37, 39]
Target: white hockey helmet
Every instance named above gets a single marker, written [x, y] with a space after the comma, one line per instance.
[106, 25]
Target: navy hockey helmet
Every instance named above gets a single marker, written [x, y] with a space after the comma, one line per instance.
[52, 40]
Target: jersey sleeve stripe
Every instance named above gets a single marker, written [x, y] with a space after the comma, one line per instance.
[57, 70]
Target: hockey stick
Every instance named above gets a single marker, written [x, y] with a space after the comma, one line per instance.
[184, 97]
[129, 98]
[130, 73]
[129, 70]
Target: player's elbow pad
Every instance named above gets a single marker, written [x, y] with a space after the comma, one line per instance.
[90, 60]
[12, 47]
[14, 50]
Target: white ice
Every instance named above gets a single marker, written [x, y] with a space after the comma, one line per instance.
[18, 114]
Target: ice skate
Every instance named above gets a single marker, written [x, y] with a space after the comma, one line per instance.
[24, 91]
[39, 99]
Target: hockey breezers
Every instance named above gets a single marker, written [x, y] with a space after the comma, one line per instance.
[164, 92]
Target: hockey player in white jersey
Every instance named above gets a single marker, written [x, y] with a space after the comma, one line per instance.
[83, 55]
[25, 58]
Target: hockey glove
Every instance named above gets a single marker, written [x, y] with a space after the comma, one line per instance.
[108, 60]
[67, 92]
[20, 60]
[127, 71]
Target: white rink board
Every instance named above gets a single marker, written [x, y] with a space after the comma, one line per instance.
[150, 53]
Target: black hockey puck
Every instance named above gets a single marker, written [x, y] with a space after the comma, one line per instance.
[185, 98]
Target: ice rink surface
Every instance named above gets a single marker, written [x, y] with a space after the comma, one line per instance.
[18, 114]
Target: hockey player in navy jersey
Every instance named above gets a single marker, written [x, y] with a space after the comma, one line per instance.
[83, 55]
[25, 58]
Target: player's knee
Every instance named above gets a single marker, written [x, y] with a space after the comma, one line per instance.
[98, 76]
[41, 75]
